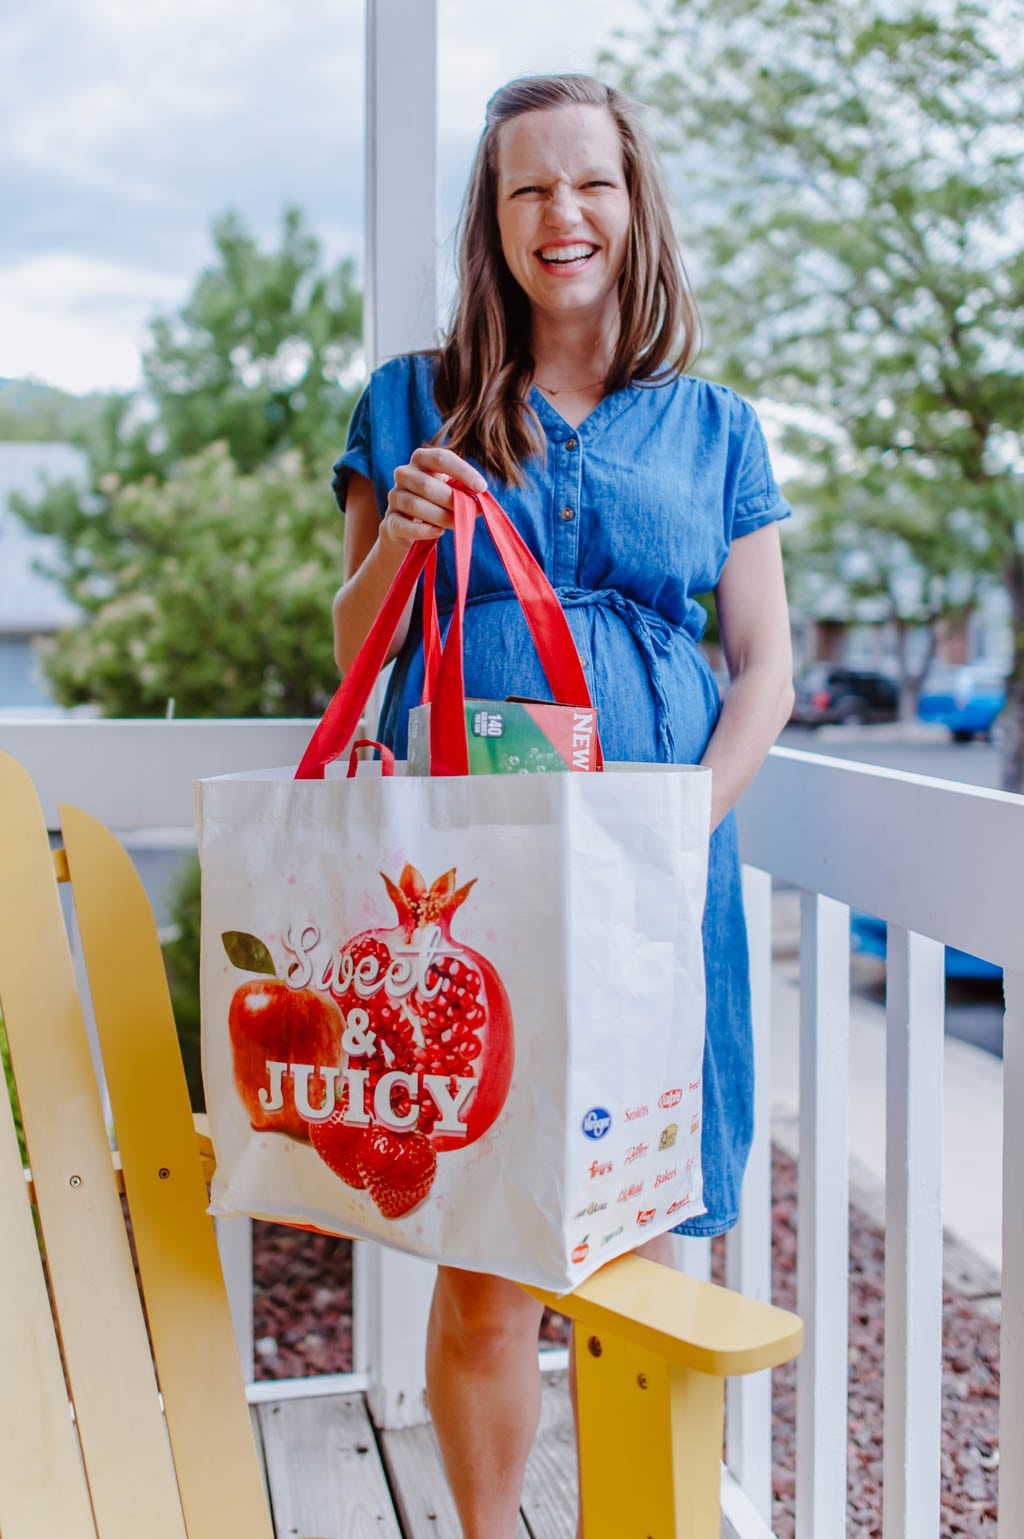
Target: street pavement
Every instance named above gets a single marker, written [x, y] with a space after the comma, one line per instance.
[915, 747]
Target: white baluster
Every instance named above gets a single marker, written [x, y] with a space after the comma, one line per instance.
[915, 1009]
[234, 1242]
[823, 1234]
[693, 1256]
[399, 1290]
[748, 1250]
[1011, 1355]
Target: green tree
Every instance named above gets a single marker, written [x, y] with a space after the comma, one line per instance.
[205, 551]
[212, 588]
[869, 555]
[854, 185]
[258, 354]
[181, 962]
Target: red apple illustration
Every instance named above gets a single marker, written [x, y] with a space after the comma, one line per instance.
[270, 1022]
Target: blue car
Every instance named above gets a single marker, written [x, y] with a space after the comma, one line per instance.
[868, 934]
[964, 699]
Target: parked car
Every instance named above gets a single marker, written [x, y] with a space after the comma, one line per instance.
[966, 699]
[868, 934]
[826, 693]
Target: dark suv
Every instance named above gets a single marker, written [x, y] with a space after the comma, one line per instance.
[831, 694]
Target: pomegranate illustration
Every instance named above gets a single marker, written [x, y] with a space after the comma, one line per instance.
[431, 1012]
[399, 1049]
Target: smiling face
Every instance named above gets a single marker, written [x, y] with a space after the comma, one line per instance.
[563, 209]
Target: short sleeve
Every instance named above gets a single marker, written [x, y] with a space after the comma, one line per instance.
[753, 497]
[358, 451]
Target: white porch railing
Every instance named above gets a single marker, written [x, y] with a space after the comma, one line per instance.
[940, 862]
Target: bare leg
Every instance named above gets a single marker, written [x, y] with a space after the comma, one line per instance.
[660, 1249]
[483, 1385]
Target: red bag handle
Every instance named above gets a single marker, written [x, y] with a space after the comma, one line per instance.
[545, 618]
[339, 722]
[387, 758]
[431, 629]
[443, 671]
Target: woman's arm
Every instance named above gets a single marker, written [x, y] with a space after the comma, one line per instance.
[419, 508]
[754, 622]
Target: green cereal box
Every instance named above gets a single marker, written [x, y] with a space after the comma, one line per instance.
[514, 737]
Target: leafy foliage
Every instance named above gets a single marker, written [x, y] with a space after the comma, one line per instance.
[181, 963]
[212, 587]
[258, 353]
[207, 549]
[854, 190]
[8, 1075]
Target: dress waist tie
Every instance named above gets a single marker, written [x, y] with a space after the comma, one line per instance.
[638, 622]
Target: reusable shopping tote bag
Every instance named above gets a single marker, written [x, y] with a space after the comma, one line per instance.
[460, 1015]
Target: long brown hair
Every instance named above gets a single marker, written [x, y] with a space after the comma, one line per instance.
[485, 365]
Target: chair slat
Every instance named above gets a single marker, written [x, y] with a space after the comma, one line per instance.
[117, 1410]
[42, 1483]
[186, 1304]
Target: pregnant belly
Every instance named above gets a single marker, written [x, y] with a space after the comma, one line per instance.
[656, 697]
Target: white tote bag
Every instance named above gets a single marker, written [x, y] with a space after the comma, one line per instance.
[460, 1015]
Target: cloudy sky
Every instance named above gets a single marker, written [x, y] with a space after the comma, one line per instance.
[126, 127]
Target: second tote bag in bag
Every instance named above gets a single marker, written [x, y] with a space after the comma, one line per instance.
[460, 1015]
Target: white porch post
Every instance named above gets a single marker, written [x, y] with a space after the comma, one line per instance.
[401, 177]
[1011, 1397]
[392, 1291]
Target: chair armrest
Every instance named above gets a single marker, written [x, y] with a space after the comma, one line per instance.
[691, 1323]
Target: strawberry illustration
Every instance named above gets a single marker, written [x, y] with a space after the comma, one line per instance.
[398, 1169]
[339, 1146]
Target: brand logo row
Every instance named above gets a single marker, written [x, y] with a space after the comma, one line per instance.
[644, 1216]
[598, 1120]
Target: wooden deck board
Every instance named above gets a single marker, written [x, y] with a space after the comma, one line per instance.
[257, 1432]
[549, 1490]
[330, 1476]
[324, 1470]
[419, 1488]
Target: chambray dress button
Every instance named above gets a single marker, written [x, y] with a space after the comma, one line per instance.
[570, 443]
[568, 513]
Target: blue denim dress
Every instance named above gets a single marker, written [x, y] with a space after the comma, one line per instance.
[631, 514]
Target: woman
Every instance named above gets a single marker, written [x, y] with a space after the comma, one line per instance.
[637, 487]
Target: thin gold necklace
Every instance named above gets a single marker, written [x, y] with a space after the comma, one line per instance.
[568, 389]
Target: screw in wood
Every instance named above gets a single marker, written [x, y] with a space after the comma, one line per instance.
[594, 1347]
[163, 1172]
[641, 1379]
[75, 1181]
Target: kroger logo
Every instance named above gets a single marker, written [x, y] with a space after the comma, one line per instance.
[597, 1122]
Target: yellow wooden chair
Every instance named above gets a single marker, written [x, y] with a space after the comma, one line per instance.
[110, 1431]
[125, 1467]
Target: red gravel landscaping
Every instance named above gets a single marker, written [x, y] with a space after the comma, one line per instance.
[303, 1324]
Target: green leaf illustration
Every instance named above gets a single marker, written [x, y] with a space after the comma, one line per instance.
[248, 953]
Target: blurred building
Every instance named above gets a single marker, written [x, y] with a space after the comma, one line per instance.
[31, 605]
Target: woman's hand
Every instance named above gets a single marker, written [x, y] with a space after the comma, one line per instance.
[420, 502]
